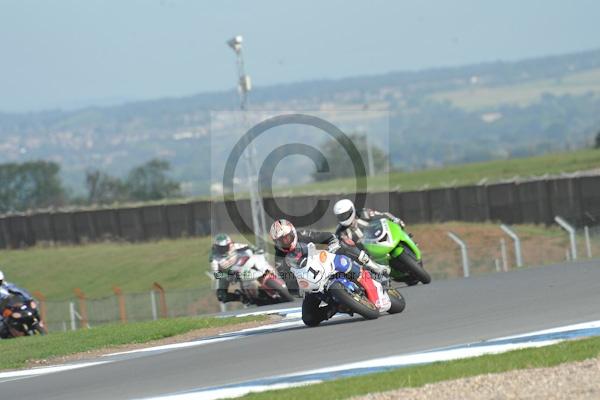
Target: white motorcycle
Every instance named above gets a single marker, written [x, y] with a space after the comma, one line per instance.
[322, 273]
[258, 280]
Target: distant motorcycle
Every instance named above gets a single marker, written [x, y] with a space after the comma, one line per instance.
[387, 243]
[22, 317]
[259, 282]
[320, 273]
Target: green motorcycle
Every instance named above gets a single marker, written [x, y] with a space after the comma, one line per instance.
[387, 243]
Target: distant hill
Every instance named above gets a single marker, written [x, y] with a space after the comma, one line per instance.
[437, 116]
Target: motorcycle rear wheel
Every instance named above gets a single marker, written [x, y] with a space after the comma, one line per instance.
[358, 304]
[284, 294]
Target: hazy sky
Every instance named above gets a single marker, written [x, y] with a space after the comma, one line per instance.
[73, 53]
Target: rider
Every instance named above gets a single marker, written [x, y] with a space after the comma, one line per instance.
[352, 224]
[223, 256]
[291, 248]
[6, 289]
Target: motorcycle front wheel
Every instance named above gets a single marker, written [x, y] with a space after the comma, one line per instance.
[407, 262]
[358, 304]
[398, 302]
[40, 330]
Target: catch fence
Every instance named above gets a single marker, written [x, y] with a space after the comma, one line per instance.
[128, 307]
[500, 254]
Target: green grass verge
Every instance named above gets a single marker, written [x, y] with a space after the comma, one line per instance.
[463, 174]
[418, 376]
[17, 353]
[96, 267]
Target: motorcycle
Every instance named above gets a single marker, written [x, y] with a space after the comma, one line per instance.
[259, 282]
[387, 243]
[22, 317]
[321, 273]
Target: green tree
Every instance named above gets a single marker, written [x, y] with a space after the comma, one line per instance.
[103, 188]
[150, 181]
[339, 162]
[597, 145]
[30, 185]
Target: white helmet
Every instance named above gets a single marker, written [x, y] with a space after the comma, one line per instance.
[284, 235]
[1, 276]
[344, 211]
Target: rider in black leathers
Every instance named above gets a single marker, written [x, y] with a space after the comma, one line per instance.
[6, 290]
[352, 223]
[290, 249]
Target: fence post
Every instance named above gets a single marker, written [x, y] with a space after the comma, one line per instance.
[588, 245]
[517, 242]
[72, 314]
[82, 308]
[463, 250]
[153, 305]
[121, 299]
[567, 227]
[42, 300]
[503, 253]
[163, 299]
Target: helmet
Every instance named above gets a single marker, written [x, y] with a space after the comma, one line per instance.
[284, 235]
[222, 244]
[1, 277]
[344, 211]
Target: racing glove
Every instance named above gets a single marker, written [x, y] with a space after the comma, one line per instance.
[363, 258]
[378, 268]
[334, 246]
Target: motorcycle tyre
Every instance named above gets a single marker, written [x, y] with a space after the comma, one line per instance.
[398, 302]
[284, 294]
[407, 262]
[360, 305]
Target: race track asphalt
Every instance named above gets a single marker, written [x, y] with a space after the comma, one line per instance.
[443, 313]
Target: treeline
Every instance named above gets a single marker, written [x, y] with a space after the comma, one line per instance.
[37, 184]
[30, 185]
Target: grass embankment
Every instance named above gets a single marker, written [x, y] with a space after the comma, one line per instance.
[17, 353]
[178, 264]
[418, 376]
[463, 174]
[96, 267]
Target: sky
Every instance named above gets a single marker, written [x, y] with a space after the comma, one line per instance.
[68, 54]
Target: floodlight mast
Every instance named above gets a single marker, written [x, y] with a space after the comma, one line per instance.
[256, 203]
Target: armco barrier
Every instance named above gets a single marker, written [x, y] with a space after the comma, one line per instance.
[577, 199]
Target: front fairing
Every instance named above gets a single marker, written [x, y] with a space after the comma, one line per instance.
[382, 239]
[313, 271]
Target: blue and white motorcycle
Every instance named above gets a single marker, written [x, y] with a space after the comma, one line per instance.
[324, 273]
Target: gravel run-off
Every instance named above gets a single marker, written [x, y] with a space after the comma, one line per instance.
[575, 381]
